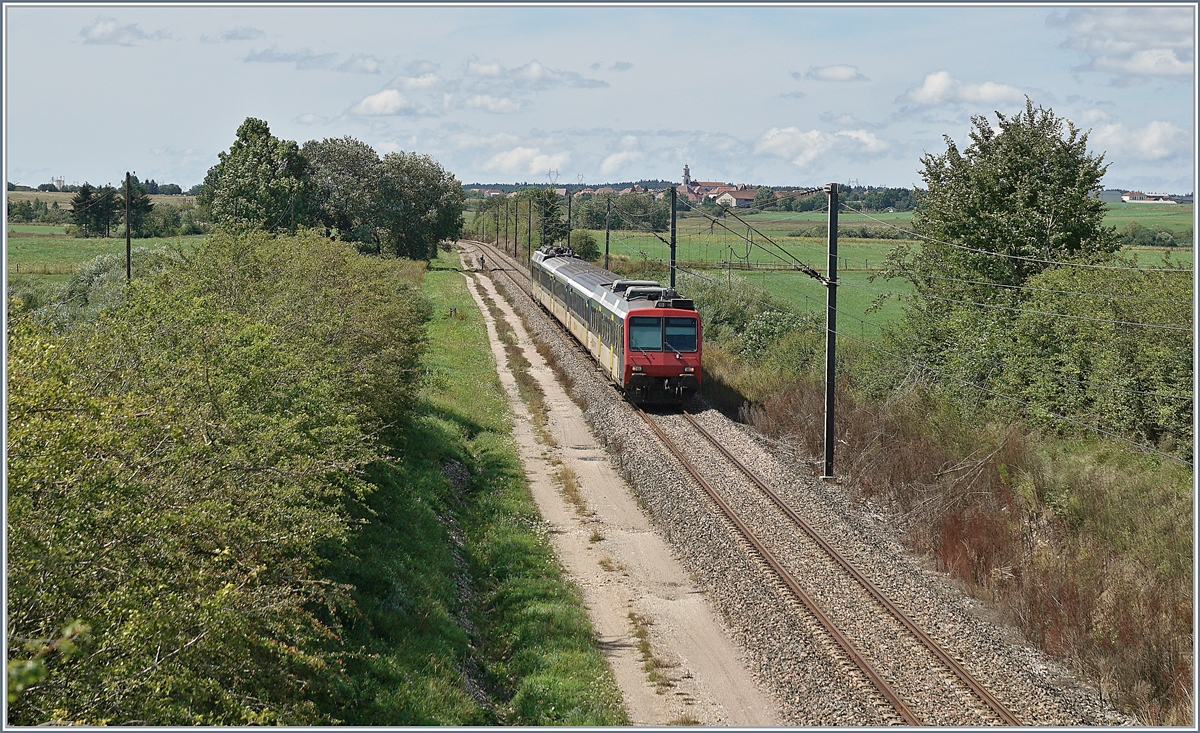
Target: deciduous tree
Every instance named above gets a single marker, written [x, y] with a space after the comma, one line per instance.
[420, 204]
[345, 176]
[257, 182]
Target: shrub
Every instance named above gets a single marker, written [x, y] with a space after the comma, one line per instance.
[179, 473]
[583, 243]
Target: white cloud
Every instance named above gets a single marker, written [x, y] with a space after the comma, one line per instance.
[836, 72]
[424, 81]
[617, 161]
[867, 141]
[361, 64]
[1094, 115]
[940, 88]
[618, 66]
[303, 59]
[1156, 141]
[533, 75]
[1150, 62]
[495, 105]
[535, 71]
[803, 148]
[527, 161]
[237, 34]
[311, 119]
[800, 147]
[108, 32]
[474, 68]
[387, 102]
[1131, 42]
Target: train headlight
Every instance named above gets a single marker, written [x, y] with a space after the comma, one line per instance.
[637, 368]
[689, 370]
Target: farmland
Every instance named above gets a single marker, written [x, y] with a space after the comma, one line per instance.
[46, 250]
[64, 199]
[709, 251]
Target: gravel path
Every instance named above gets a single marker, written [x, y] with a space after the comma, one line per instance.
[791, 655]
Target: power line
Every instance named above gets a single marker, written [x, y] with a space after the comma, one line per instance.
[1015, 257]
[789, 259]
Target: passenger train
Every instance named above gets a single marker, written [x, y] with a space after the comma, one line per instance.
[643, 335]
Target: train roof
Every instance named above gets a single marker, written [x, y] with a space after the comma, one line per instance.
[598, 283]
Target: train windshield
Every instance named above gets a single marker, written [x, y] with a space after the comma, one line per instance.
[645, 333]
[681, 333]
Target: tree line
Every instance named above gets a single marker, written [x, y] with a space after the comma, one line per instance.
[402, 204]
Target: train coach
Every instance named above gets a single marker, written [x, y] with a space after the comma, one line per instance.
[643, 335]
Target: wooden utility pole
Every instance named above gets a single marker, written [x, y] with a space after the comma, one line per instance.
[830, 329]
[568, 190]
[529, 232]
[506, 226]
[128, 244]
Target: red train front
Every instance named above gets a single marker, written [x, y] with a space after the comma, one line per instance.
[662, 353]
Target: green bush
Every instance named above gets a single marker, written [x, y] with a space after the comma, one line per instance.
[584, 244]
[180, 471]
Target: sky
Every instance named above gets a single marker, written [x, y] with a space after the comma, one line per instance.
[793, 95]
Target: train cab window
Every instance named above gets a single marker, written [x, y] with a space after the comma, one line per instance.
[645, 333]
[681, 333]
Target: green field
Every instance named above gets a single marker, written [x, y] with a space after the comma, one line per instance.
[710, 250]
[58, 255]
[64, 199]
[1175, 218]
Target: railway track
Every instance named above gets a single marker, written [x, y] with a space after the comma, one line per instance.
[950, 695]
[956, 683]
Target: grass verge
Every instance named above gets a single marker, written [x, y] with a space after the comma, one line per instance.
[536, 645]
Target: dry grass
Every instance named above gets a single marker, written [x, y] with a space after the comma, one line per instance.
[527, 387]
[596, 537]
[41, 268]
[1087, 551]
[651, 664]
[568, 485]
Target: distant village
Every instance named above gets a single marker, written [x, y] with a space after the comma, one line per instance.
[741, 195]
[731, 195]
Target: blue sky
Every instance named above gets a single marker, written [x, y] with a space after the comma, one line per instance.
[798, 95]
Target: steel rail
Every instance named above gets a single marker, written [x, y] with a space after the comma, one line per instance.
[859, 660]
[962, 674]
